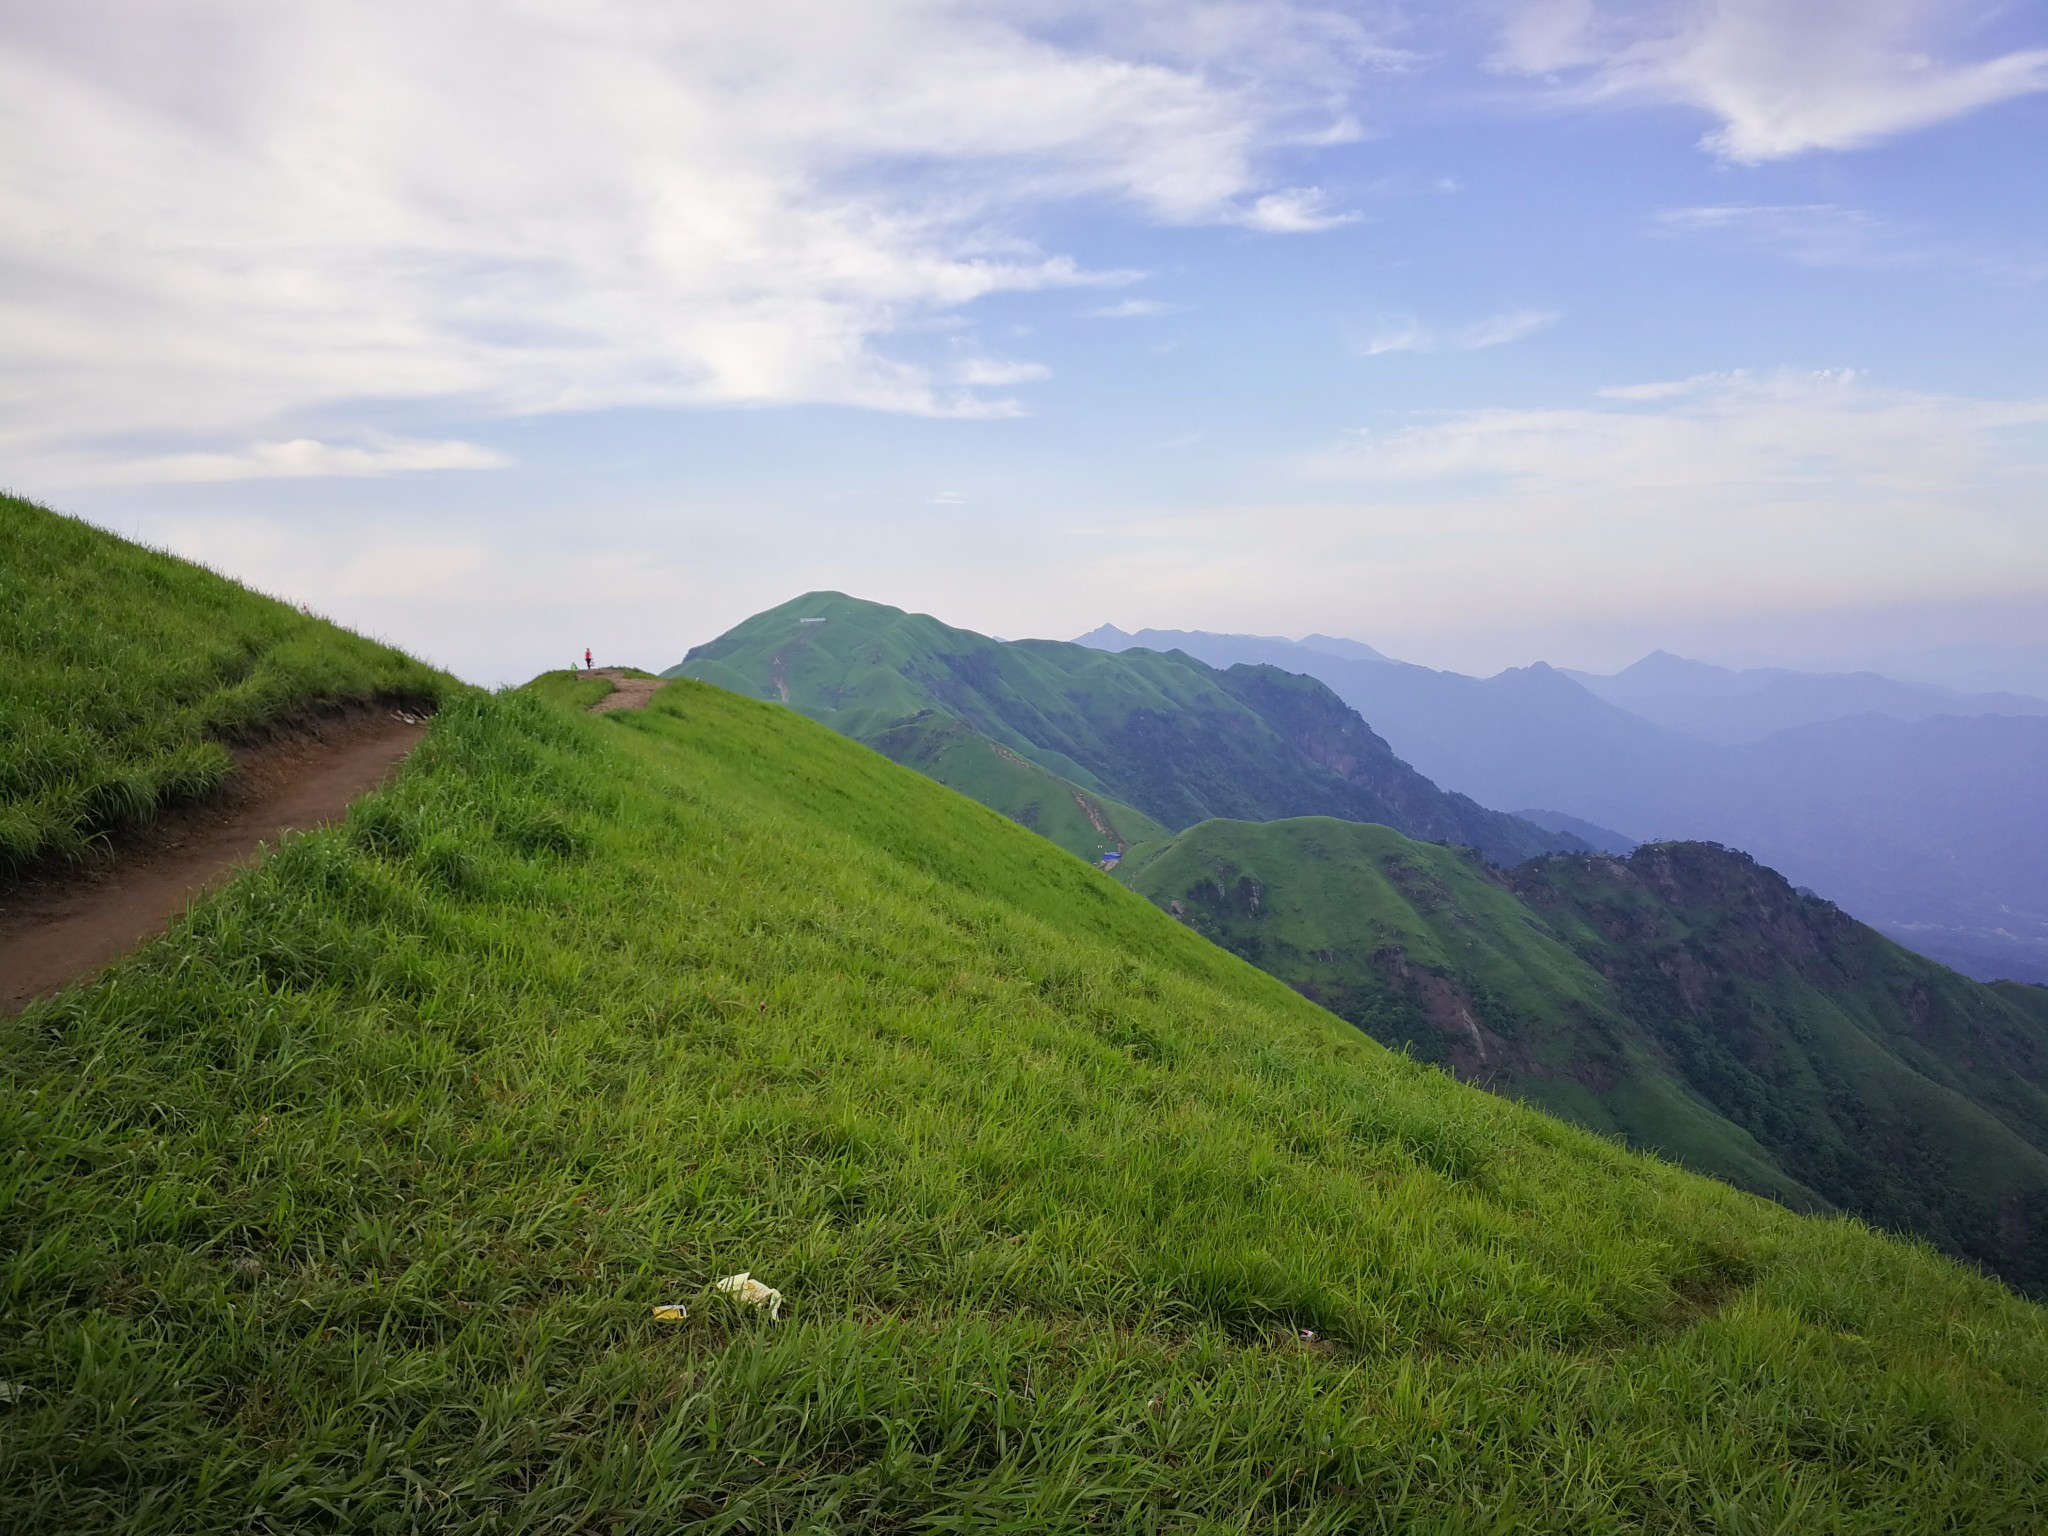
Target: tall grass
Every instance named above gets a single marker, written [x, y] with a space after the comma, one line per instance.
[124, 673]
[346, 1207]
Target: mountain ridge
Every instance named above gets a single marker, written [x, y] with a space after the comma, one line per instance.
[1160, 732]
[1935, 830]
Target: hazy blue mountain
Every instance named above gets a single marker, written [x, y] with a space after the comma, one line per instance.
[1350, 650]
[1529, 736]
[1973, 668]
[1255, 650]
[1934, 830]
[1601, 839]
[1723, 705]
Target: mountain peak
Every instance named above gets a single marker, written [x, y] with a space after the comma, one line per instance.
[1350, 650]
[1105, 637]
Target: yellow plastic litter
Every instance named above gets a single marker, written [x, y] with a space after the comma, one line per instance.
[746, 1288]
[674, 1312]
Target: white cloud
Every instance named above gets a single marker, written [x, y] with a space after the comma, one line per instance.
[1812, 234]
[1405, 333]
[221, 221]
[1296, 211]
[297, 458]
[1831, 235]
[1130, 309]
[1782, 76]
[1664, 390]
[1689, 506]
[1724, 439]
[984, 372]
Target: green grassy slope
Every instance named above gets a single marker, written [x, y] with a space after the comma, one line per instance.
[1427, 951]
[346, 1206]
[1162, 733]
[1914, 1095]
[965, 760]
[123, 672]
[1683, 998]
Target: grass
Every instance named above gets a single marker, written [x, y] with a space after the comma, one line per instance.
[1081, 822]
[574, 690]
[1356, 916]
[345, 1207]
[129, 673]
[1685, 999]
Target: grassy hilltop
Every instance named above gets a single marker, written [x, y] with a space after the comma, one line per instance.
[1685, 998]
[1067, 739]
[346, 1205]
[128, 674]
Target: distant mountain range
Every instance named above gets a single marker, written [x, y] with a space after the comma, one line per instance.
[1685, 998]
[1096, 750]
[1933, 827]
[1719, 705]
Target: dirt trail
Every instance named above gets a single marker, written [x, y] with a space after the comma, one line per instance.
[630, 692]
[58, 930]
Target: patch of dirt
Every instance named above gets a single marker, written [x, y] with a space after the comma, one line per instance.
[59, 928]
[628, 691]
[1094, 814]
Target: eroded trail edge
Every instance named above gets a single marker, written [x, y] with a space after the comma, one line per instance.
[628, 691]
[62, 929]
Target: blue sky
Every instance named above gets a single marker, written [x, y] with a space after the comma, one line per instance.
[1558, 329]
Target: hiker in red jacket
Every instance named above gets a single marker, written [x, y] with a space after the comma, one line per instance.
[586, 658]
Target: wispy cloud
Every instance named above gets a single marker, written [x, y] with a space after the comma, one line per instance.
[294, 459]
[1405, 333]
[1833, 433]
[1782, 78]
[280, 222]
[1296, 211]
[1813, 234]
[1831, 235]
[1719, 497]
[1131, 309]
[991, 373]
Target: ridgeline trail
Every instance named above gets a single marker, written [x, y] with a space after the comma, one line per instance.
[61, 928]
[628, 691]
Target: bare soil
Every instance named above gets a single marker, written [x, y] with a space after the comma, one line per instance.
[628, 691]
[60, 928]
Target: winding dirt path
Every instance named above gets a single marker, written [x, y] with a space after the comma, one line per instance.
[58, 930]
[628, 691]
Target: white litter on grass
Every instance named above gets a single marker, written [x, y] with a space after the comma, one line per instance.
[12, 1391]
[753, 1293]
[672, 1312]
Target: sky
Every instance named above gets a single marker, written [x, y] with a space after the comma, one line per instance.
[1516, 330]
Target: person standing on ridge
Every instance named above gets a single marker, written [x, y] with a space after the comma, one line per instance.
[586, 658]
